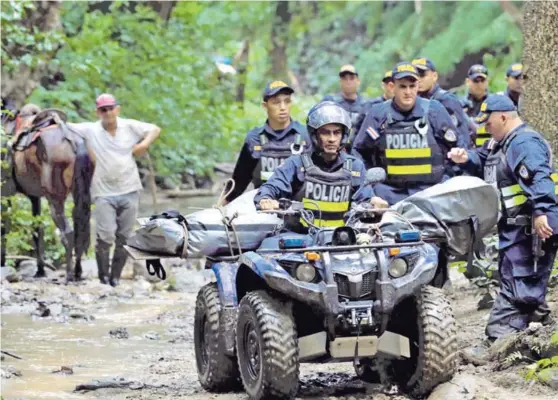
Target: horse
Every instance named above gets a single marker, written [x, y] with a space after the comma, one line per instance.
[49, 159]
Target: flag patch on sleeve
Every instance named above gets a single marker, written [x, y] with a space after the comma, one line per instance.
[373, 134]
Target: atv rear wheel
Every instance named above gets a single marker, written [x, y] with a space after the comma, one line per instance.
[217, 372]
[267, 347]
[432, 339]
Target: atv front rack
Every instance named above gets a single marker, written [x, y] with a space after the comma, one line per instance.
[345, 248]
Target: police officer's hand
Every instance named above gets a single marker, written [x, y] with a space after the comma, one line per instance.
[378, 202]
[458, 155]
[269, 204]
[542, 228]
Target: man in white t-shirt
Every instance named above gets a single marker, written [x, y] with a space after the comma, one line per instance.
[116, 182]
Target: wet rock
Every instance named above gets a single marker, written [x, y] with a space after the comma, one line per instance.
[80, 314]
[7, 295]
[41, 311]
[27, 269]
[536, 337]
[63, 370]
[9, 371]
[136, 386]
[152, 336]
[109, 383]
[9, 274]
[463, 387]
[549, 377]
[55, 309]
[119, 333]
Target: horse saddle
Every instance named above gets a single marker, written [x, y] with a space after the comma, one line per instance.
[41, 121]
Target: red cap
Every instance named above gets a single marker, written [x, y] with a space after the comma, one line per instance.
[105, 100]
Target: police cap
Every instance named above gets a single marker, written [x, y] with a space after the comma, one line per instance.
[494, 102]
[274, 88]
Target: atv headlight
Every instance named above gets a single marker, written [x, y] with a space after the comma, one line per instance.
[397, 268]
[305, 272]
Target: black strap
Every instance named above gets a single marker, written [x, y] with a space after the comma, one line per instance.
[306, 161]
[169, 214]
[154, 267]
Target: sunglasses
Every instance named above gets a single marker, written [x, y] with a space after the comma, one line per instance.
[479, 80]
[105, 109]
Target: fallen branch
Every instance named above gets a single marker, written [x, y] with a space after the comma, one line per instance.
[10, 354]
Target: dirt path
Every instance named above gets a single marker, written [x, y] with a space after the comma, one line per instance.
[51, 325]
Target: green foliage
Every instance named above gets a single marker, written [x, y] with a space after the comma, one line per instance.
[22, 42]
[533, 370]
[160, 73]
[19, 239]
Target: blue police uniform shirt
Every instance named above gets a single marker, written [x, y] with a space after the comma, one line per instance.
[288, 179]
[527, 150]
[250, 153]
[366, 147]
[455, 109]
[353, 107]
[366, 106]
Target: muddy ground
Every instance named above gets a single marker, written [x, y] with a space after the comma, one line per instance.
[139, 336]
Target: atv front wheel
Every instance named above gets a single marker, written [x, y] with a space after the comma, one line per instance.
[432, 340]
[267, 347]
[217, 372]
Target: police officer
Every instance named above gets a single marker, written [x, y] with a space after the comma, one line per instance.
[324, 180]
[349, 98]
[514, 77]
[409, 137]
[268, 146]
[429, 89]
[517, 161]
[387, 90]
[477, 83]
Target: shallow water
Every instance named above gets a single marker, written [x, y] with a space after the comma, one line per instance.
[86, 346]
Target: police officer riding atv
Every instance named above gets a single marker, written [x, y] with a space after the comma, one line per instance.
[323, 292]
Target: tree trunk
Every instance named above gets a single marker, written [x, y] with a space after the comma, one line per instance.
[163, 8]
[540, 41]
[18, 84]
[241, 64]
[279, 41]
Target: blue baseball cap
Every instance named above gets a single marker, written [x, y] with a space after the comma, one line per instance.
[477, 70]
[404, 70]
[274, 88]
[387, 76]
[515, 70]
[494, 102]
[424, 64]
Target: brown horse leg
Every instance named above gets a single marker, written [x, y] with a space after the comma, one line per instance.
[66, 233]
[38, 237]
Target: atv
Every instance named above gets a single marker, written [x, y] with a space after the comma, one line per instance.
[349, 294]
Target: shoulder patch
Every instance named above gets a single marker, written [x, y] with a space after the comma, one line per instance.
[450, 136]
[257, 147]
[524, 172]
